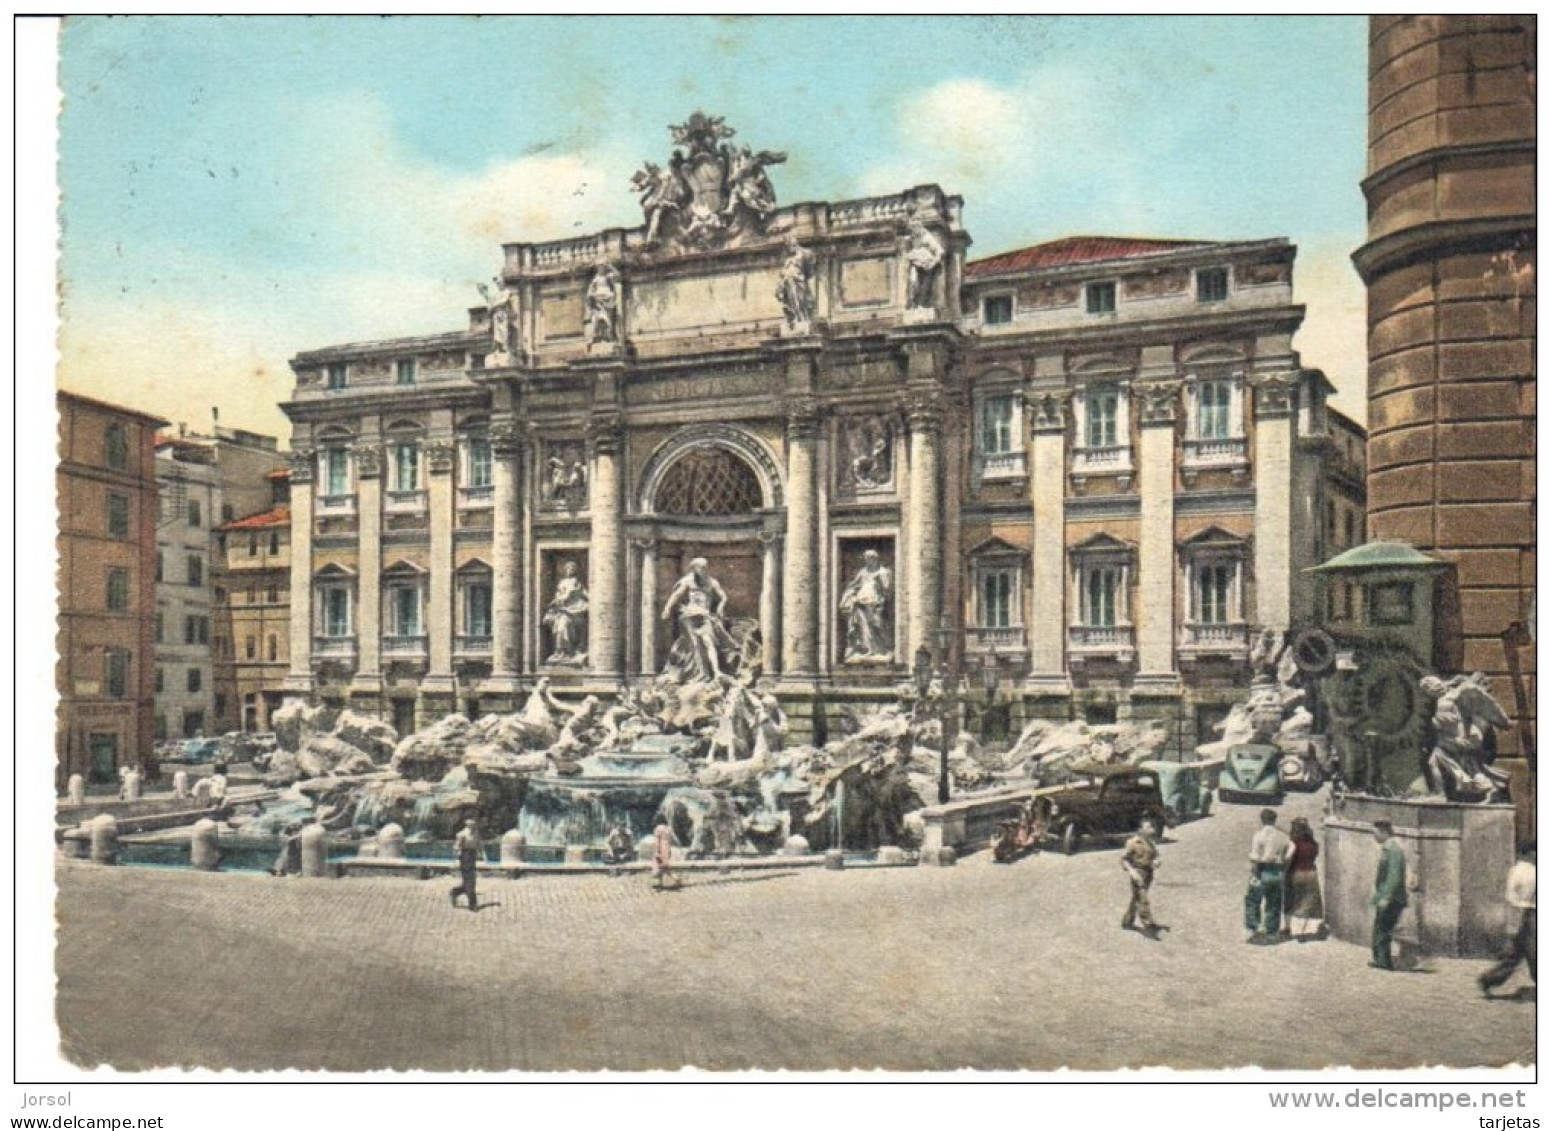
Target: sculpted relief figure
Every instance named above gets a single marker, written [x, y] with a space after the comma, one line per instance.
[565, 478]
[869, 442]
[603, 305]
[795, 288]
[1463, 721]
[865, 604]
[566, 618]
[924, 254]
[710, 191]
[501, 301]
[700, 602]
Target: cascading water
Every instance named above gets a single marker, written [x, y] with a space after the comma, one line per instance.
[625, 787]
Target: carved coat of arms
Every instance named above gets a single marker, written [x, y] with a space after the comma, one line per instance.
[711, 192]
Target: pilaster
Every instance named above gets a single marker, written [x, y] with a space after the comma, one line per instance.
[923, 552]
[506, 549]
[440, 458]
[299, 678]
[1274, 406]
[1048, 411]
[1155, 556]
[367, 681]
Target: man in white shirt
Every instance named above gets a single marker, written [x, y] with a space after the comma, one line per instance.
[1521, 895]
[1269, 852]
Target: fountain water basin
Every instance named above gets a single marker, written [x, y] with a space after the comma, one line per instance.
[608, 787]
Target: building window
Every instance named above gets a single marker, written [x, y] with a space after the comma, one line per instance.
[159, 565]
[253, 594]
[195, 679]
[336, 375]
[1100, 298]
[1389, 604]
[118, 516]
[335, 604]
[220, 705]
[117, 672]
[115, 447]
[404, 605]
[476, 462]
[196, 517]
[160, 682]
[996, 591]
[219, 646]
[1212, 284]
[193, 724]
[996, 424]
[250, 647]
[274, 595]
[406, 467]
[1214, 587]
[271, 648]
[1216, 402]
[1103, 418]
[406, 371]
[252, 545]
[161, 622]
[1100, 599]
[997, 310]
[196, 571]
[227, 513]
[274, 542]
[336, 471]
[219, 593]
[118, 591]
[1351, 528]
[476, 608]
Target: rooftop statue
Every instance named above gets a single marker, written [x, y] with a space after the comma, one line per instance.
[710, 192]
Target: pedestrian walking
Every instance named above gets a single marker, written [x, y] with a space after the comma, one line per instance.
[1521, 895]
[1269, 852]
[1140, 862]
[1304, 902]
[471, 850]
[662, 857]
[1389, 895]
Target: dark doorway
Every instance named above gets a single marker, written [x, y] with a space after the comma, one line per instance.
[404, 716]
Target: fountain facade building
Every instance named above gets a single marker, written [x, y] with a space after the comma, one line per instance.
[1097, 462]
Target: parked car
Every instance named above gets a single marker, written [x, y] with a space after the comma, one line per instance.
[1186, 788]
[1111, 802]
[1300, 770]
[1250, 775]
[197, 750]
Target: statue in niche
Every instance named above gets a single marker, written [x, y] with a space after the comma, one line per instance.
[924, 254]
[565, 478]
[869, 441]
[501, 301]
[700, 602]
[566, 618]
[795, 288]
[603, 305]
[865, 604]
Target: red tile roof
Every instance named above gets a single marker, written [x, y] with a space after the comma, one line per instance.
[279, 473]
[274, 516]
[1074, 249]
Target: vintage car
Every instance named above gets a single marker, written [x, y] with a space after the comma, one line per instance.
[1106, 802]
[1300, 770]
[1186, 788]
[1250, 775]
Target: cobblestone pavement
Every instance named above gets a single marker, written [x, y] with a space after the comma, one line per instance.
[1020, 966]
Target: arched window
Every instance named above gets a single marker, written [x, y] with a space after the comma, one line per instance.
[709, 481]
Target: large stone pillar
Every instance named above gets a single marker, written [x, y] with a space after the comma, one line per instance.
[800, 586]
[770, 601]
[1274, 396]
[648, 610]
[1048, 411]
[606, 552]
[506, 549]
[298, 679]
[367, 683]
[440, 458]
[1155, 629]
[923, 549]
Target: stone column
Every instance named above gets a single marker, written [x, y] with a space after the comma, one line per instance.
[799, 589]
[1047, 488]
[299, 678]
[1154, 611]
[648, 548]
[506, 548]
[606, 553]
[440, 457]
[923, 550]
[368, 607]
[770, 601]
[1273, 499]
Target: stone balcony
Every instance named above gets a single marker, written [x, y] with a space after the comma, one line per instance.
[336, 504]
[333, 647]
[470, 498]
[1115, 642]
[1226, 454]
[471, 647]
[404, 647]
[1007, 640]
[404, 502]
[1227, 640]
[1110, 459]
[1003, 466]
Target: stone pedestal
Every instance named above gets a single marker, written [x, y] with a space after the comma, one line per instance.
[1457, 861]
[204, 846]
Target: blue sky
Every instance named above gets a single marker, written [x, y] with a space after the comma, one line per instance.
[238, 189]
